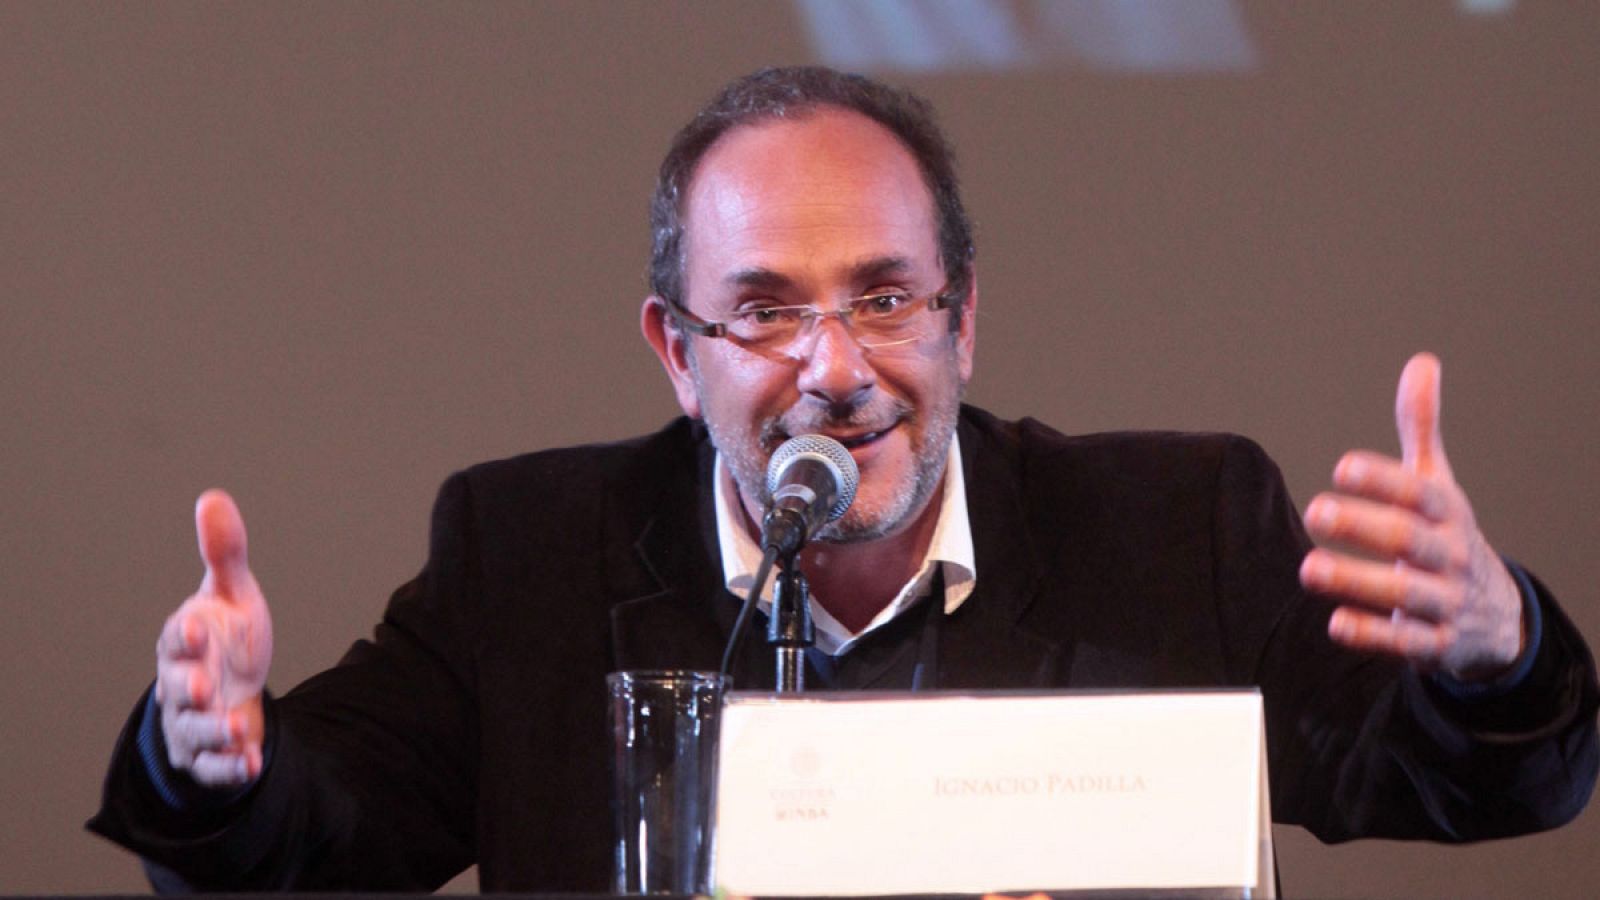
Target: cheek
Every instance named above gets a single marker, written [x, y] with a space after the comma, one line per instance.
[736, 387]
[931, 376]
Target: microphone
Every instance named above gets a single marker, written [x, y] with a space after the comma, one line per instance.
[812, 480]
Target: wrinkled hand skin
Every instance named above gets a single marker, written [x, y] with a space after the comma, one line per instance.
[212, 658]
[1426, 586]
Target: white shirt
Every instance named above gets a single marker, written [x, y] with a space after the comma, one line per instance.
[950, 547]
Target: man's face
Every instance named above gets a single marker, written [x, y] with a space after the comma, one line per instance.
[817, 211]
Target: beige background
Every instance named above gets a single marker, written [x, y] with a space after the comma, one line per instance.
[325, 254]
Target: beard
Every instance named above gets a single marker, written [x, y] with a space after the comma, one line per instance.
[879, 509]
[878, 514]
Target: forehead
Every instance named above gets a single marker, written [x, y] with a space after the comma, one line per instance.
[810, 199]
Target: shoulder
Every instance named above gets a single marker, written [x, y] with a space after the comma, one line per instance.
[1145, 462]
[679, 441]
[1133, 490]
[570, 483]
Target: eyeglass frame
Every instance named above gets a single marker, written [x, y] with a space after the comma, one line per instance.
[950, 296]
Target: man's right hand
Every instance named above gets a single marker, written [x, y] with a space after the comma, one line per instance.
[212, 658]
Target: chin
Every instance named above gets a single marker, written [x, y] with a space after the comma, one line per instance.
[842, 532]
[868, 521]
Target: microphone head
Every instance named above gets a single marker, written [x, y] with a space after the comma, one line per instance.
[825, 450]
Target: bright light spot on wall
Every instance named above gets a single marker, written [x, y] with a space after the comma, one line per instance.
[1177, 36]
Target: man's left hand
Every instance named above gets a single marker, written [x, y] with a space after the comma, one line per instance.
[1433, 592]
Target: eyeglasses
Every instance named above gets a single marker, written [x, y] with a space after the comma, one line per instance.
[876, 320]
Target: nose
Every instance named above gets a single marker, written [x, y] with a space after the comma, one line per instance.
[836, 368]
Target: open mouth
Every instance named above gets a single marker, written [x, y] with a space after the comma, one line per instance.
[854, 441]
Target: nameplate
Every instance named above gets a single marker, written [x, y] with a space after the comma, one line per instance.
[945, 793]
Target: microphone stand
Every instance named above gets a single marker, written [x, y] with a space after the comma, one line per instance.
[789, 628]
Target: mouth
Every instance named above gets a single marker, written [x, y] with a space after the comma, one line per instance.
[854, 441]
[859, 430]
[851, 442]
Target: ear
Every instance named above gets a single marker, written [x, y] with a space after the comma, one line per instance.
[672, 348]
[967, 336]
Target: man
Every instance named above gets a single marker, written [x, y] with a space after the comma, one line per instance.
[812, 272]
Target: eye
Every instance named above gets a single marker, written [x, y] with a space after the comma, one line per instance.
[883, 304]
[765, 316]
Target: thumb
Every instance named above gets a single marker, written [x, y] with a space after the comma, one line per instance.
[1416, 416]
[220, 529]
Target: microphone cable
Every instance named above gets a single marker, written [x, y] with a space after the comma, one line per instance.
[740, 624]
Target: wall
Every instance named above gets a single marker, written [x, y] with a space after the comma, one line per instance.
[326, 254]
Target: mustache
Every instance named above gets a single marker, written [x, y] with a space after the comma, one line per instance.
[877, 413]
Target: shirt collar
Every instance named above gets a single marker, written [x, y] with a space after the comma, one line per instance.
[951, 546]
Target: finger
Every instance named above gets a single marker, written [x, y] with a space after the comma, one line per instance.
[220, 529]
[182, 686]
[1386, 480]
[191, 732]
[1423, 643]
[1387, 532]
[1381, 587]
[1416, 416]
[183, 637]
[214, 769]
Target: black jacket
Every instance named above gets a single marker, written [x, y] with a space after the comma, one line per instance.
[472, 727]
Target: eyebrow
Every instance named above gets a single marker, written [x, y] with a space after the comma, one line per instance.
[762, 278]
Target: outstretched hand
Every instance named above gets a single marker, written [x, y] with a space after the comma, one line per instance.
[213, 655]
[1432, 591]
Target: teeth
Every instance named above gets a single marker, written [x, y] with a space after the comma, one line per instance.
[862, 439]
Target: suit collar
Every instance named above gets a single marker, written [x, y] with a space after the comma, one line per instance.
[1009, 569]
[983, 645]
[670, 572]
[678, 612]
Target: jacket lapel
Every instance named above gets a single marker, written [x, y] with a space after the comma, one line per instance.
[678, 613]
[670, 571]
[982, 645]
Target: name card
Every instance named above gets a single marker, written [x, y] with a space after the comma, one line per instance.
[967, 793]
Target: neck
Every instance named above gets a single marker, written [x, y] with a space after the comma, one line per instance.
[856, 581]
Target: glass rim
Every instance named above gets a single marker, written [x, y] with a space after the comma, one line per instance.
[947, 297]
[873, 337]
[668, 676]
